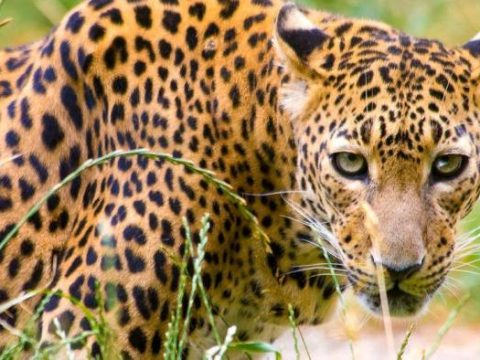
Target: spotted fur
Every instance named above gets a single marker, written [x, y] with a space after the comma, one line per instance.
[263, 94]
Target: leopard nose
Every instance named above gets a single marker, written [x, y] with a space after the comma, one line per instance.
[401, 273]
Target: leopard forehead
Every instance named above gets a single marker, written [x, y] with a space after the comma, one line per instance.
[381, 89]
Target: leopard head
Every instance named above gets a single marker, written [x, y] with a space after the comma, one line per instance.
[387, 131]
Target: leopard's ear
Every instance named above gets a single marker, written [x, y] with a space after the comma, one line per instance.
[298, 39]
[474, 46]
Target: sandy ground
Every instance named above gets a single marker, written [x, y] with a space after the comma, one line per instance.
[331, 340]
[324, 342]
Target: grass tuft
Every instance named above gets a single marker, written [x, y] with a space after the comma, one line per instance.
[176, 336]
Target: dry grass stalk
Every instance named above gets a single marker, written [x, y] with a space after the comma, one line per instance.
[372, 225]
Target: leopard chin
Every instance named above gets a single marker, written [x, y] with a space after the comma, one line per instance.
[400, 303]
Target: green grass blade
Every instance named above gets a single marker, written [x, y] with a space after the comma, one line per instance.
[405, 341]
[293, 326]
[338, 290]
[173, 332]
[18, 300]
[5, 22]
[218, 352]
[446, 326]
[255, 347]
[225, 188]
[197, 266]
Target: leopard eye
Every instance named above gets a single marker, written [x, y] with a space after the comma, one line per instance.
[446, 167]
[350, 165]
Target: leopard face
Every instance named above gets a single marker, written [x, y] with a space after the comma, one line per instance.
[386, 127]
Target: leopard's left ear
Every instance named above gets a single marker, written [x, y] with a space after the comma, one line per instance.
[298, 39]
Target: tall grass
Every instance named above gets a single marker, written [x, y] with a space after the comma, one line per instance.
[176, 336]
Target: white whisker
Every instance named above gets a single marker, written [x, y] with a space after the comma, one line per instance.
[273, 193]
[337, 271]
[317, 265]
[326, 274]
[314, 224]
[463, 271]
[459, 264]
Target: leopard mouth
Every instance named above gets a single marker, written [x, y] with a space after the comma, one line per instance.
[400, 302]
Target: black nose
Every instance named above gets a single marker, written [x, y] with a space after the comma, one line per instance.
[401, 273]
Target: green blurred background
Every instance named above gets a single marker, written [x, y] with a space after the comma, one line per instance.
[452, 21]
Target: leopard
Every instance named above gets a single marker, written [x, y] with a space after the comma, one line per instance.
[354, 145]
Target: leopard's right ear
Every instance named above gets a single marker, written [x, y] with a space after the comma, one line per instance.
[473, 46]
[298, 39]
